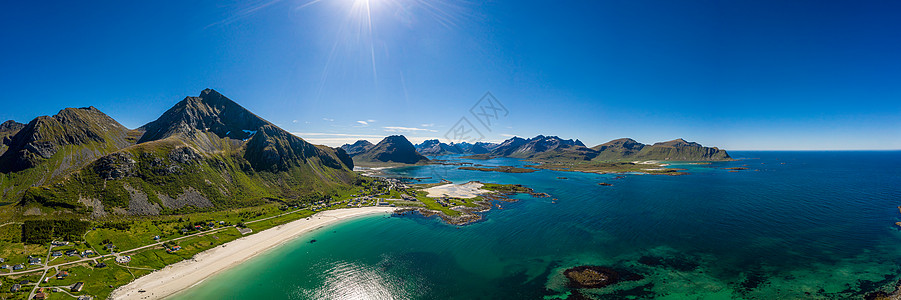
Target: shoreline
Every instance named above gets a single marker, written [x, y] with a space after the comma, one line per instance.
[185, 274]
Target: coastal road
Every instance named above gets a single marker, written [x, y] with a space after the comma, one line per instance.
[45, 268]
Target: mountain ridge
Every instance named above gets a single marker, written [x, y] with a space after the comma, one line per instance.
[391, 149]
[207, 148]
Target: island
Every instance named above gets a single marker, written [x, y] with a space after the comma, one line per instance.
[458, 204]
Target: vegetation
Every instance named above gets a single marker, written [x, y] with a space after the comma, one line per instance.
[42, 231]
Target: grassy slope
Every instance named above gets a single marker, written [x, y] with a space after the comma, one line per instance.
[226, 179]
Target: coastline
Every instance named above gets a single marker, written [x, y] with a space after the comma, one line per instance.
[187, 273]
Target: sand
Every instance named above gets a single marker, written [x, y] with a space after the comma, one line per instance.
[182, 275]
[466, 190]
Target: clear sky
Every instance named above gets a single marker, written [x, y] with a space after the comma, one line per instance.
[734, 74]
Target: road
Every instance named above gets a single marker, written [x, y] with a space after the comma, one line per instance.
[45, 268]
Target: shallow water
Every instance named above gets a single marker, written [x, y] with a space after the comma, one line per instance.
[795, 225]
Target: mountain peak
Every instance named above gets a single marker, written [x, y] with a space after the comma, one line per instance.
[41, 138]
[395, 148]
[680, 142]
[210, 112]
[357, 147]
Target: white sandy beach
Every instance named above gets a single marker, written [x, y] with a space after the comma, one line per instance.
[466, 190]
[184, 274]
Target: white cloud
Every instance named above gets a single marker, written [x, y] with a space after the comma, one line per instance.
[293, 121]
[328, 119]
[428, 125]
[406, 129]
[370, 121]
[364, 123]
[508, 135]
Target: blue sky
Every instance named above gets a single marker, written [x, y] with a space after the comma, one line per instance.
[732, 74]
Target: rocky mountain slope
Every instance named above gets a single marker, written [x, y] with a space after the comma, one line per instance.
[206, 152]
[7, 130]
[680, 150]
[357, 147]
[434, 147]
[392, 149]
[541, 147]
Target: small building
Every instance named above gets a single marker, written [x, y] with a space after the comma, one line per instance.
[71, 252]
[24, 282]
[88, 253]
[62, 274]
[34, 260]
[2, 260]
[15, 288]
[156, 238]
[56, 254]
[85, 297]
[78, 286]
[40, 295]
[18, 267]
[110, 246]
[59, 243]
[4, 266]
[173, 249]
[100, 265]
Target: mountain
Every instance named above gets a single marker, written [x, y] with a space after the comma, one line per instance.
[7, 130]
[552, 148]
[63, 142]
[392, 149]
[203, 120]
[543, 148]
[680, 150]
[617, 149]
[434, 147]
[482, 147]
[206, 152]
[357, 147]
[508, 147]
[477, 148]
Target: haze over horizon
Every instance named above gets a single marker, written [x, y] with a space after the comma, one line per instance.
[738, 75]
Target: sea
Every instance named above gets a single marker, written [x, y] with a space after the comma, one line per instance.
[794, 225]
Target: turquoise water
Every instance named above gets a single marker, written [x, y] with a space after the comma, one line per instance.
[821, 225]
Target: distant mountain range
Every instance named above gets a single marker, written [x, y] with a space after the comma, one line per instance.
[206, 151]
[539, 148]
[434, 147]
[552, 148]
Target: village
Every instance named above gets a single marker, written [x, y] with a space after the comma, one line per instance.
[64, 266]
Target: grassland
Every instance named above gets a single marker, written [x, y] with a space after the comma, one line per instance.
[127, 233]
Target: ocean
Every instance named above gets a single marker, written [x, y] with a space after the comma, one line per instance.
[795, 225]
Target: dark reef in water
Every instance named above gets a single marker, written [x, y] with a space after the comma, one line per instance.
[593, 277]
